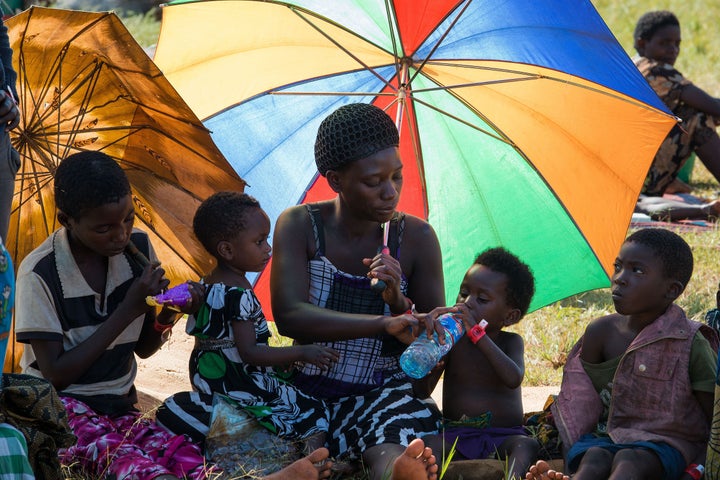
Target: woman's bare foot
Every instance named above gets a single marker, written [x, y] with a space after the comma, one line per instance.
[541, 471]
[417, 462]
[313, 467]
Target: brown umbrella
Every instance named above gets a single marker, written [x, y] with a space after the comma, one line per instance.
[84, 83]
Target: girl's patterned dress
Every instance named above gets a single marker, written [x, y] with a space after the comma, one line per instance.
[216, 367]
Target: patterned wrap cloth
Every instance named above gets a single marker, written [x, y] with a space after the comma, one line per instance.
[32, 406]
[695, 129]
[129, 446]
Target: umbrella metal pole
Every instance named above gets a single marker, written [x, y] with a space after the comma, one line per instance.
[376, 284]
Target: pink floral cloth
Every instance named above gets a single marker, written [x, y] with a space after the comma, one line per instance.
[128, 447]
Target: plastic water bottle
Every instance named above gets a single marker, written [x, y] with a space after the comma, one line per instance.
[424, 353]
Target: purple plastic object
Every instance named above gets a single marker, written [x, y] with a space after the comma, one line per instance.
[175, 297]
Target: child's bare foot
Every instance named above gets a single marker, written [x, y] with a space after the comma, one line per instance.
[313, 467]
[417, 462]
[541, 471]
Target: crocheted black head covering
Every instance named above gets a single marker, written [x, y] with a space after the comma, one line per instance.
[352, 132]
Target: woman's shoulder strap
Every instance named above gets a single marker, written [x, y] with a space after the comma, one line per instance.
[397, 227]
[317, 226]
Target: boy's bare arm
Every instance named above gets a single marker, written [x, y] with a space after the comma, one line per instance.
[63, 368]
[700, 100]
[595, 338]
[424, 387]
[706, 400]
[509, 364]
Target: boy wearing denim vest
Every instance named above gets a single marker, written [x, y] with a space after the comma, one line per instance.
[637, 392]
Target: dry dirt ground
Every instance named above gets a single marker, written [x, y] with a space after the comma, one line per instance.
[166, 372]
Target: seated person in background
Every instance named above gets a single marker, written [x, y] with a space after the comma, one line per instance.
[482, 405]
[636, 397]
[81, 307]
[657, 41]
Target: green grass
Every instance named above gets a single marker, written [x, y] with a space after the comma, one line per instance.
[144, 28]
[551, 331]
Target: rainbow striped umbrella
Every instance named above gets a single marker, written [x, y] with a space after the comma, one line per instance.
[523, 124]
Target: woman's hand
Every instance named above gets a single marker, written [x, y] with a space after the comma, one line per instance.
[386, 268]
[403, 327]
[318, 355]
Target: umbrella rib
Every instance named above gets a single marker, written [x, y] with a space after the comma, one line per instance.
[350, 94]
[390, 15]
[170, 247]
[139, 168]
[415, 141]
[130, 130]
[474, 84]
[93, 80]
[40, 197]
[348, 52]
[439, 42]
[528, 76]
[465, 122]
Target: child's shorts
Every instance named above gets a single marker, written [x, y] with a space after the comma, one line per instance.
[672, 460]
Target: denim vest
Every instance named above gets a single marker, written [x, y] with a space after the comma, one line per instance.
[652, 398]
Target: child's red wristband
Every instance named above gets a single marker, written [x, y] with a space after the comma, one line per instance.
[477, 332]
[695, 471]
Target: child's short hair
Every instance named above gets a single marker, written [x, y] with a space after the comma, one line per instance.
[88, 180]
[651, 22]
[221, 217]
[520, 280]
[670, 248]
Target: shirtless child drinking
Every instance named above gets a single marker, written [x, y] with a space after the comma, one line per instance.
[482, 400]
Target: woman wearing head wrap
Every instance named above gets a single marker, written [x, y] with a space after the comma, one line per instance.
[324, 257]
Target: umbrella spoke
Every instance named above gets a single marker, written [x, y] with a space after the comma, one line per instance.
[524, 76]
[464, 122]
[34, 190]
[440, 40]
[411, 119]
[335, 94]
[398, 51]
[345, 50]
